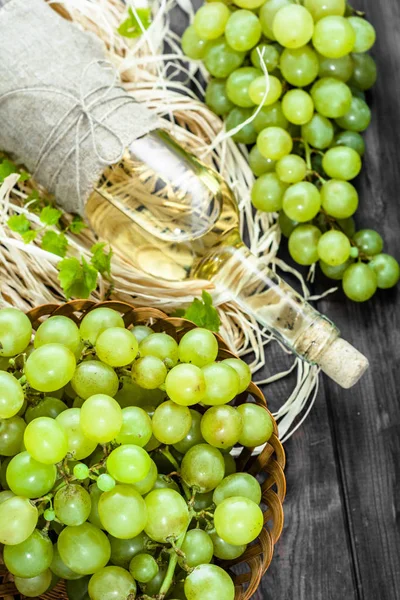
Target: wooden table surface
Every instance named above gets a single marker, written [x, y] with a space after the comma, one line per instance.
[342, 538]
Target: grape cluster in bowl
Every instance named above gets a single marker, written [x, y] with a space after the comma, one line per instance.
[303, 123]
[116, 469]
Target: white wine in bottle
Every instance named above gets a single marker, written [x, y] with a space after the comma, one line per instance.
[174, 218]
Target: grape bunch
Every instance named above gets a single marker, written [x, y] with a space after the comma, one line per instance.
[116, 466]
[305, 139]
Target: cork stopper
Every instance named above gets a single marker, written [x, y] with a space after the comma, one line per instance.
[343, 363]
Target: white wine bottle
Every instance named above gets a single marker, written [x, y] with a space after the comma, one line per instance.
[174, 218]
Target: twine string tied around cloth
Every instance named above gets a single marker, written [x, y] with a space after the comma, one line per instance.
[83, 107]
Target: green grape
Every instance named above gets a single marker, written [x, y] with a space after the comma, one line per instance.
[267, 192]
[258, 87]
[293, 26]
[334, 248]
[359, 282]
[45, 440]
[131, 394]
[258, 164]
[161, 345]
[356, 92]
[210, 20]
[247, 134]
[203, 467]
[291, 168]
[238, 484]
[59, 330]
[267, 15]
[369, 242]
[299, 66]
[171, 422]
[298, 107]
[84, 549]
[230, 465]
[387, 270]
[220, 59]
[222, 384]
[334, 37]
[365, 34]
[197, 547]
[3, 471]
[163, 481]
[78, 589]
[238, 86]
[257, 425]
[31, 557]
[79, 445]
[357, 118]
[128, 464]
[352, 139]
[342, 162]
[203, 501]
[18, 519]
[116, 347]
[105, 482]
[274, 143]
[72, 505]
[303, 244]
[302, 201]
[97, 321]
[141, 331]
[122, 551]
[81, 471]
[318, 132]
[11, 395]
[250, 4]
[185, 384]
[216, 97]
[364, 73]
[149, 372]
[208, 582]
[112, 583]
[144, 486]
[6, 495]
[95, 494]
[33, 586]
[192, 45]
[286, 225]
[325, 8]
[348, 226]
[242, 369]
[50, 367]
[226, 551]
[221, 426]
[270, 116]
[15, 331]
[154, 586]
[269, 55]
[332, 97]
[238, 520]
[193, 436]
[27, 477]
[199, 347]
[136, 427]
[339, 198]
[169, 515]
[334, 272]
[11, 435]
[48, 407]
[101, 418]
[143, 567]
[243, 30]
[339, 68]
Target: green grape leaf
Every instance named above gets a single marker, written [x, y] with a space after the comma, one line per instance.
[203, 313]
[6, 168]
[29, 236]
[77, 279]
[133, 26]
[32, 198]
[24, 176]
[50, 215]
[101, 260]
[77, 224]
[19, 223]
[56, 243]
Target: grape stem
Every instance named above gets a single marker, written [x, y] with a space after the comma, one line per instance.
[173, 561]
[308, 155]
[165, 451]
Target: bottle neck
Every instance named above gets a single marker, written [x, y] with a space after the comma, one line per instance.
[261, 293]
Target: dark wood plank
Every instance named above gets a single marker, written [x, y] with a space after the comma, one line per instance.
[366, 420]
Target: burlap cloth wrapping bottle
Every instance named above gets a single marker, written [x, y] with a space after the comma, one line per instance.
[63, 113]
